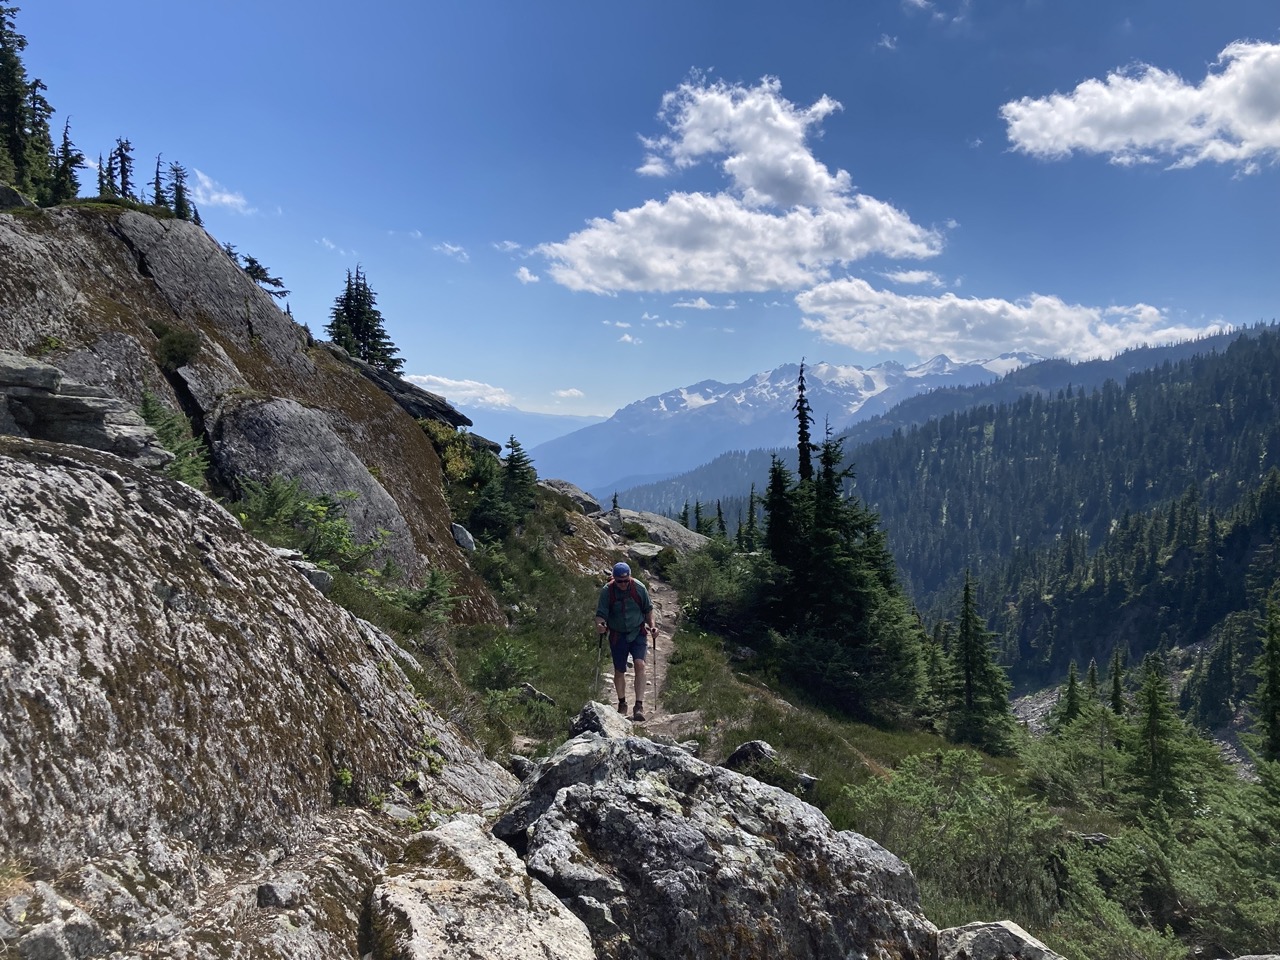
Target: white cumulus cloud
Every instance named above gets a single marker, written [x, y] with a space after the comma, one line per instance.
[207, 192]
[701, 303]
[853, 313]
[915, 276]
[783, 221]
[571, 393]
[1144, 114]
[468, 392]
[525, 275]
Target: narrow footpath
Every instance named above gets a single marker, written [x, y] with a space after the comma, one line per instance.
[666, 609]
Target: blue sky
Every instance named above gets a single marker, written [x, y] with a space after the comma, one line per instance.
[569, 206]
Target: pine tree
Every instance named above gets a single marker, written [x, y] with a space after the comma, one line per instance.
[1092, 690]
[1069, 707]
[684, 516]
[1117, 682]
[178, 191]
[356, 325]
[1157, 754]
[67, 161]
[123, 154]
[751, 539]
[262, 277]
[158, 195]
[1266, 701]
[26, 144]
[721, 530]
[519, 479]
[980, 712]
[804, 423]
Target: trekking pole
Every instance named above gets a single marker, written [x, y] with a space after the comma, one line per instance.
[657, 679]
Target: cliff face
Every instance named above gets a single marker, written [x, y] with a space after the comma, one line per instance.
[104, 293]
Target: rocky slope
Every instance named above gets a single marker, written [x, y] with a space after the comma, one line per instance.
[124, 302]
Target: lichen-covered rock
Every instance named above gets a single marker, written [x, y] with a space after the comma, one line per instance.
[100, 292]
[257, 439]
[176, 697]
[661, 530]
[602, 719]
[460, 893]
[36, 400]
[1003, 940]
[584, 501]
[664, 856]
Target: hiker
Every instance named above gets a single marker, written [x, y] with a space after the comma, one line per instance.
[624, 609]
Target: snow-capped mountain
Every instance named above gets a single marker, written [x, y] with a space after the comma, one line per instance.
[682, 428]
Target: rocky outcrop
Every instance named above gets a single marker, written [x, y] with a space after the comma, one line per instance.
[584, 501]
[459, 892]
[664, 856]
[661, 530]
[181, 706]
[260, 438]
[38, 401]
[418, 403]
[105, 294]
[1003, 940]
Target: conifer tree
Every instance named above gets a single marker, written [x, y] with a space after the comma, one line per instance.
[260, 275]
[1069, 707]
[356, 325]
[1266, 701]
[980, 712]
[158, 195]
[26, 145]
[67, 161]
[1092, 691]
[123, 154]
[1117, 682]
[804, 424]
[178, 191]
[1157, 753]
[751, 538]
[684, 516]
[519, 479]
[721, 529]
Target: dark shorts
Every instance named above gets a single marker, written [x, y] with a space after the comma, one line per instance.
[621, 645]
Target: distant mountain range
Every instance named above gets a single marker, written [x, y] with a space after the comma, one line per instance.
[675, 431]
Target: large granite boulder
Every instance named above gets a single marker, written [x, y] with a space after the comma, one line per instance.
[664, 856]
[180, 711]
[257, 439]
[584, 501]
[457, 891]
[1002, 940]
[658, 529]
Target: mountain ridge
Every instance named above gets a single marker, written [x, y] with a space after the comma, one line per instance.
[678, 428]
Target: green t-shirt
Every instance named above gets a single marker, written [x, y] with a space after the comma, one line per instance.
[624, 610]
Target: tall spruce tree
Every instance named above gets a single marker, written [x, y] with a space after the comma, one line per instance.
[356, 325]
[27, 153]
[804, 424]
[519, 479]
[178, 191]
[980, 711]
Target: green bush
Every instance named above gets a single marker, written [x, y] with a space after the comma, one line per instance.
[191, 455]
[505, 664]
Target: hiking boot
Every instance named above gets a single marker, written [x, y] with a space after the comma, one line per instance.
[639, 714]
[622, 707]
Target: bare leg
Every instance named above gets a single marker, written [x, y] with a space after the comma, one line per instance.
[620, 684]
[640, 669]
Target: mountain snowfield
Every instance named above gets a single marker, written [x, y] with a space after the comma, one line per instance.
[662, 435]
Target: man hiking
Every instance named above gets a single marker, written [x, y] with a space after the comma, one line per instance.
[624, 609]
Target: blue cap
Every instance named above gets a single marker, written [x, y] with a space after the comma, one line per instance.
[621, 570]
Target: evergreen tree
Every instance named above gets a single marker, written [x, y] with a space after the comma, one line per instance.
[721, 530]
[804, 423]
[67, 161]
[262, 277]
[158, 195]
[26, 145]
[1157, 754]
[123, 154]
[1069, 707]
[178, 191]
[519, 479]
[684, 516]
[1117, 682]
[751, 538]
[1092, 690]
[980, 712]
[1266, 701]
[356, 325]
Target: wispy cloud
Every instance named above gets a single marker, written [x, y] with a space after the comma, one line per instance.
[468, 392]
[670, 324]
[571, 393]
[1143, 114]
[628, 338]
[621, 324]
[330, 245]
[701, 303]
[207, 192]
[452, 250]
[887, 42]
[525, 275]
[506, 246]
[852, 313]
[783, 221]
[914, 276]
